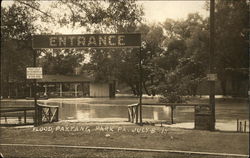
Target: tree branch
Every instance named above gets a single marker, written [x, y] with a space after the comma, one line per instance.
[22, 2]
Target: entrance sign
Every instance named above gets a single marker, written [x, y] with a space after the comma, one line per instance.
[87, 41]
[76, 41]
[34, 72]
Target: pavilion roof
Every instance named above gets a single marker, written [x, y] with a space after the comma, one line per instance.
[65, 78]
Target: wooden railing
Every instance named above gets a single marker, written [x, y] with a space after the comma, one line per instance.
[133, 109]
[47, 114]
[240, 126]
[18, 112]
[133, 113]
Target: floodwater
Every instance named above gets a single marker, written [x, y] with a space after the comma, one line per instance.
[105, 109]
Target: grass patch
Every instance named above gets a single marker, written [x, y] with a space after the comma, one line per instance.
[122, 136]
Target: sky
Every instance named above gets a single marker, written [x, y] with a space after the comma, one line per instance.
[155, 11]
[158, 11]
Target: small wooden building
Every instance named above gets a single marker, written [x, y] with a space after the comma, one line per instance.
[74, 86]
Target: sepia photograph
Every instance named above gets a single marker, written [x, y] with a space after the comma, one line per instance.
[124, 78]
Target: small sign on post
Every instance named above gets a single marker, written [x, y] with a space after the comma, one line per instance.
[34, 72]
[211, 77]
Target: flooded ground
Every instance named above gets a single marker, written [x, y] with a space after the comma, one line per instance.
[105, 109]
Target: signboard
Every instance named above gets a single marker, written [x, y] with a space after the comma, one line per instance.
[211, 77]
[86, 40]
[34, 72]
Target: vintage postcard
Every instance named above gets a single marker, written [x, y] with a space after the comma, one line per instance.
[114, 79]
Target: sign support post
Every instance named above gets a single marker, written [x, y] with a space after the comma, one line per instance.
[34, 91]
[34, 73]
[140, 86]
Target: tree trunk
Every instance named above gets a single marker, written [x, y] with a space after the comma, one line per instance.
[133, 89]
[223, 84]
[152, 83]
[194, 90]
[138, 88]
[145, 88]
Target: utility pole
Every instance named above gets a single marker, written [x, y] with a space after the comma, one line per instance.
[211, 66]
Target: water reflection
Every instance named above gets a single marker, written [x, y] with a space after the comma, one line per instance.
[88, 109]
[87, 112]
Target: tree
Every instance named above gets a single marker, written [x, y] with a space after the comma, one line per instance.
[62, 62]
[100, 16]
[115, 17]
[183, 62]
[16, 51]
[231, 48]
[152, 38]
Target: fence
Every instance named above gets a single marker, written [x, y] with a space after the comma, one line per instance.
[241, 127]
[133, 113]
[133, 109]
[47, 114]
[18, 112]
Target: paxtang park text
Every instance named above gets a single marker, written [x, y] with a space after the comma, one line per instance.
[110, 129]
[86, 40]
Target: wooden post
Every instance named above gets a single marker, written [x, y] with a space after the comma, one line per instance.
[240, 126]
[25, 116]
[60, 89]
[75, 89]
[57, 114]
[140, 85]
[245, 126]
[30, 91]
[19, 119]
[114, 89]
[129, 115]
[172, 114]
[133, 114]
[136, 114]
[9, 88]
[237, 125]
[34, 87]
[39, 113]
[45, 89]
[49, 115]
[33, 118]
